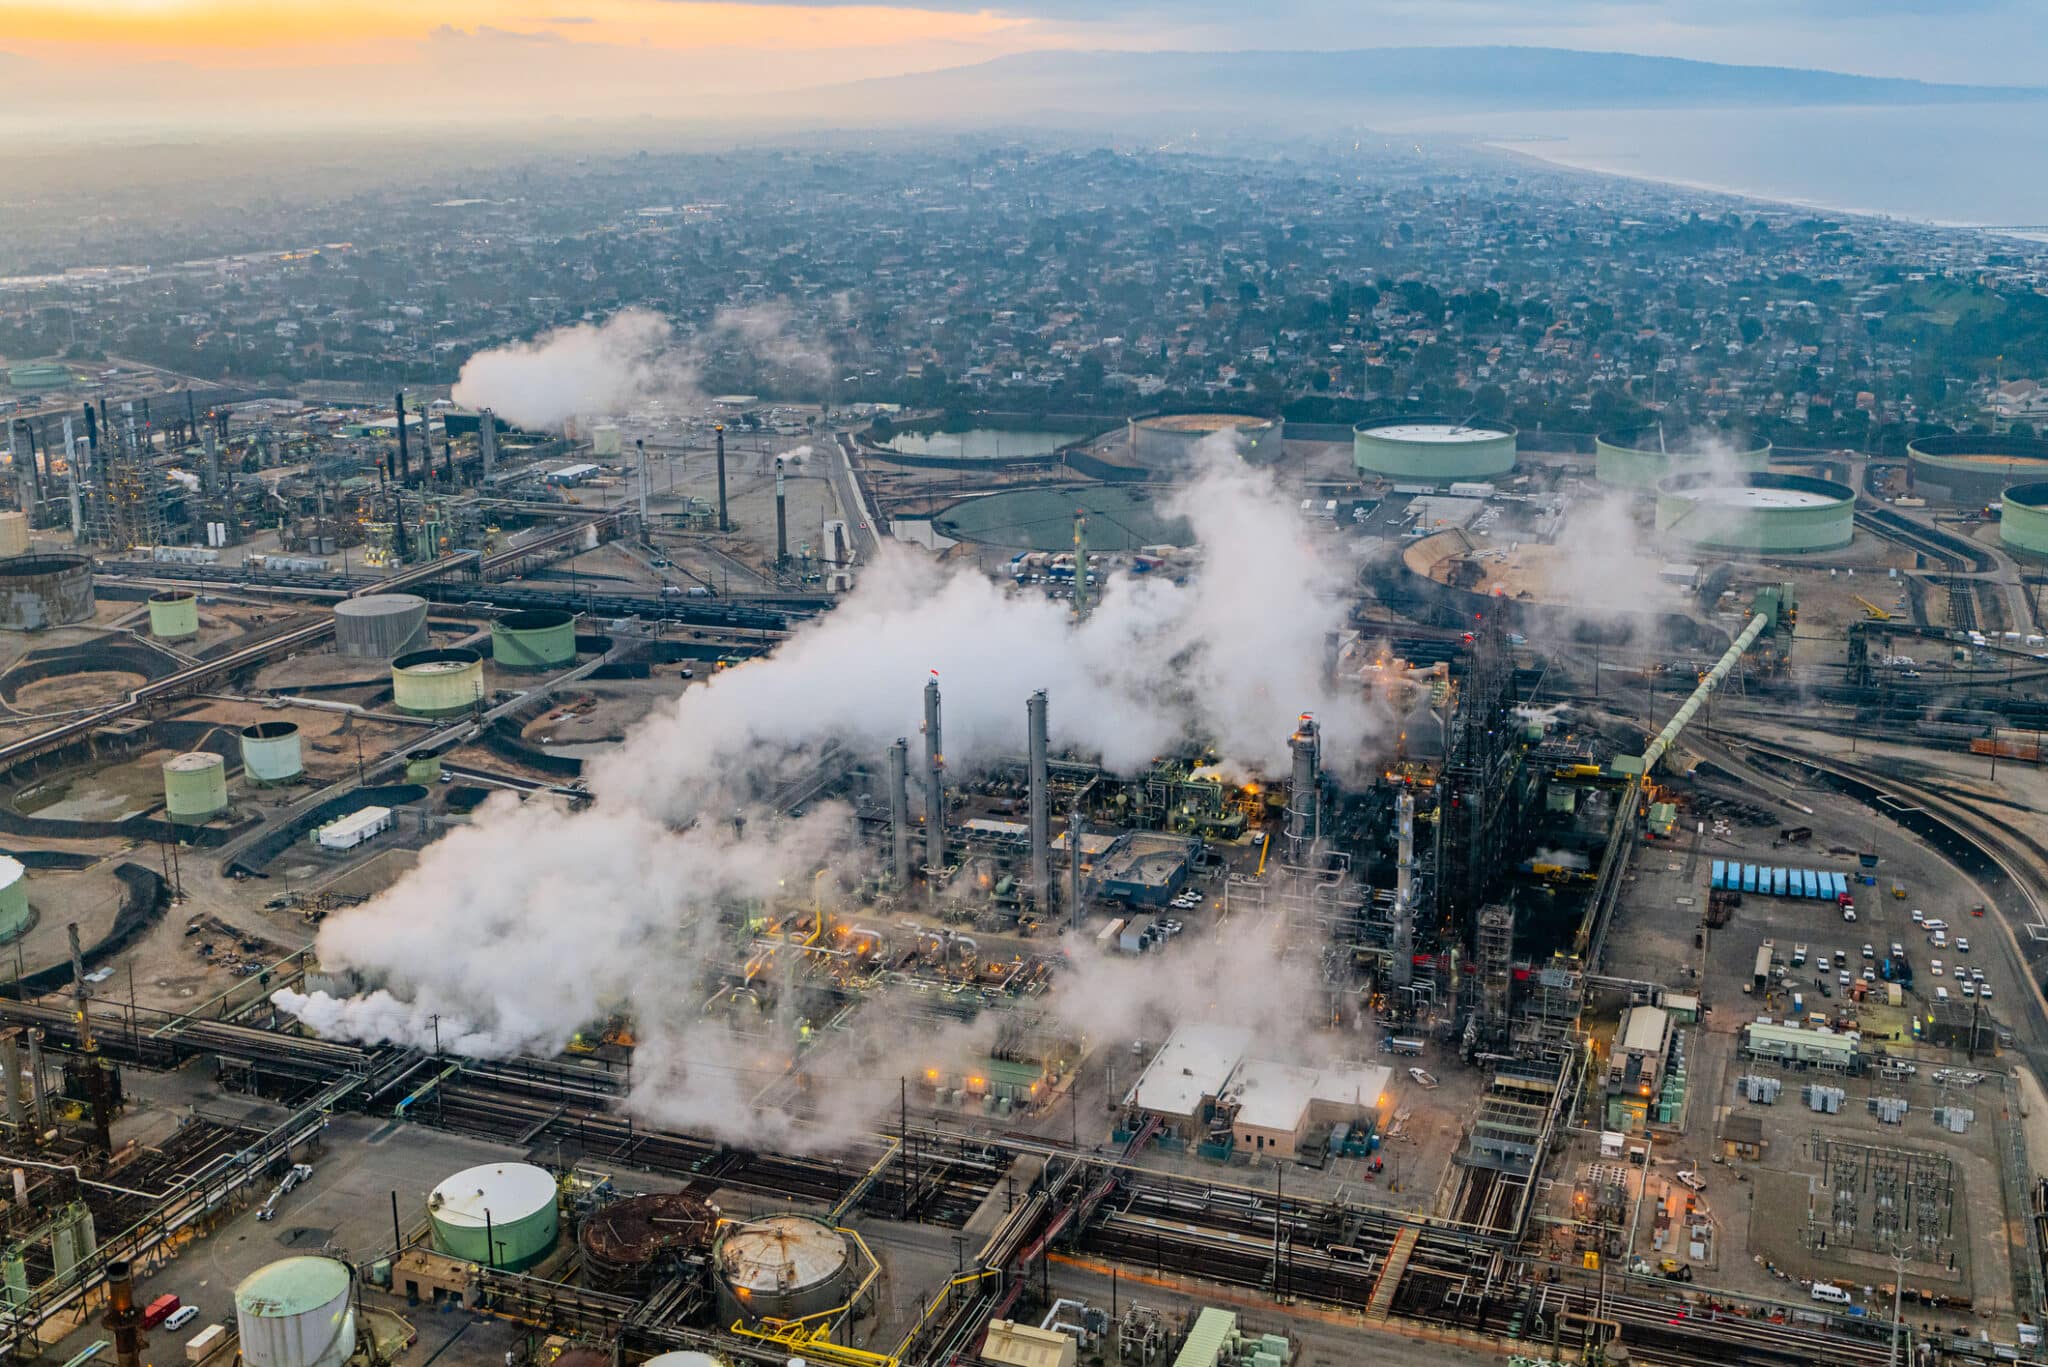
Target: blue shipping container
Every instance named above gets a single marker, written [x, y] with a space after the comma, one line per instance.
[1720, 874]
[1778, 882]
[1749, 878]
[1811, 882]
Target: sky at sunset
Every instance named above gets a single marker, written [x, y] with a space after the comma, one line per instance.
[280, 61]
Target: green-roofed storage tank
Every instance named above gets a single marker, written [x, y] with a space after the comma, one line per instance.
[2023, 520]
[297, 1312]
[14, 913]
[541, 639]
[1433, 450]
[437, 683]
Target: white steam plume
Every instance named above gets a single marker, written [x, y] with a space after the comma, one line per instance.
[531, 923]
[633, 356]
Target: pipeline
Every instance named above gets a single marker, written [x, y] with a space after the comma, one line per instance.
[1693, 704]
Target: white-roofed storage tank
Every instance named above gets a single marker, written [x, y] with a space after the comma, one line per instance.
[687, 1358]
[782, 1267]
[437, 683]
[380, 626]
[297, 1312]
[14, 912]
[271, 753]
[500, 1214]
[1433, 450]
[1169, 439]
[195, 786]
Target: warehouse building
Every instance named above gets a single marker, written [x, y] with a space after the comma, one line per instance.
[1636, 1066]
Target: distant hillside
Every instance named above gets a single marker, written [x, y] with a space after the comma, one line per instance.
[1435, 79]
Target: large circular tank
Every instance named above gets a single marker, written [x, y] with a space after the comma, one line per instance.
[380, 626]
[782, 1267]
[1644, 458]
[690, 1358]
[174, 614]
[1971, 468]
[2023, 525]
[423, 766]
[14, 532]
[509, 1206]
[1170, 439]
[14, 912]
[50, 590]
[297, 1312]
[195, 786]
[1768, 514]
[1433, 450]
[437, 683]
[270, 752]
[626, 1243]
[542, 639]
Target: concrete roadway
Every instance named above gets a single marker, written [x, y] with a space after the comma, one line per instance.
[860, 518]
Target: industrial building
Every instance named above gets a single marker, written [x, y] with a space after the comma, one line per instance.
[1763, 513]
[1637, 1068]
[1204, 1088]
[1432, 450]
[1168, 441]
[2023, 520]
[1643, 458]
[1972, 467]
[1815, 1048]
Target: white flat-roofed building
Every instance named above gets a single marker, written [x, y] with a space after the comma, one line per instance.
[352, 830]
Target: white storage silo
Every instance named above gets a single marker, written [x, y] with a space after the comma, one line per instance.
[297, 1312]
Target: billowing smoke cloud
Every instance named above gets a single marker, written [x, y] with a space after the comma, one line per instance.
[632, 357]
[531, 923]
[588, 368]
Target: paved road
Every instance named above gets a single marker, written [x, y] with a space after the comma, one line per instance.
[859, 517]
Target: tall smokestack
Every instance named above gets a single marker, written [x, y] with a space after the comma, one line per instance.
[71, 477]
[191, 411]
[724, 522]
[122, 1316]
[781, 518]
[486, 444]
[1306, 743]
[404, 462]
[899, 809]
[1076, 829]
[646, 522]
[935, 781]
[1041, 802]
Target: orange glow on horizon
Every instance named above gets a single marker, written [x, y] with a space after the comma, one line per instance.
[231, 32]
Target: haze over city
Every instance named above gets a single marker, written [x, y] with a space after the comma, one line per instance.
[1026, 683]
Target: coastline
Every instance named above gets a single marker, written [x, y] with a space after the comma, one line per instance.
[1533, 149]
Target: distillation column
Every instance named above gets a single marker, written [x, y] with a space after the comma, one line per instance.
[1041, 803]
[1401, 969]
[899, 809]
[1306, 743]
[935, 783]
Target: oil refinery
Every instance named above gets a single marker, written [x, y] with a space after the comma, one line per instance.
[710, 896]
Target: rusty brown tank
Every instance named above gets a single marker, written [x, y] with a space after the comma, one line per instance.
[628, 1244]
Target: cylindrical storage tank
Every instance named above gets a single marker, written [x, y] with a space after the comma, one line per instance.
[2023, 524]
[380, 626]
[627, 1244]
[14, 912]
[1169, 439]
[437, 683]
[1644, 458]
[1971, 468]
[14, 538]
[542, 639]
[195, 786]
[38, 591]
[499, 1214]
[782, 1267]
[689, 1358]
[297, 1312]
[174, 614]
[423, 766]
[1433, 450]
[270, 752]
[1766, 514]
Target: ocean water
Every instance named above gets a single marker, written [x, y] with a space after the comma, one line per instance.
[1952, 164]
